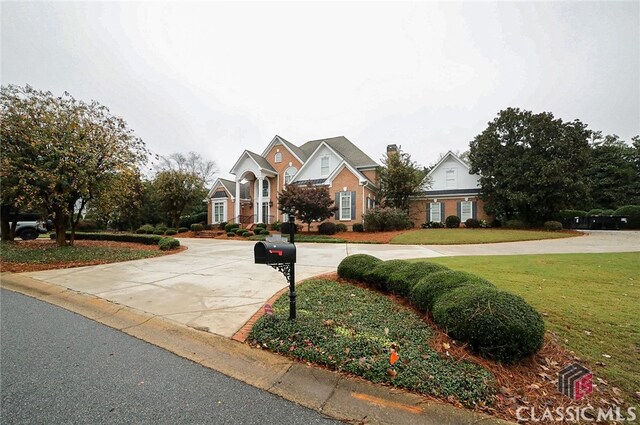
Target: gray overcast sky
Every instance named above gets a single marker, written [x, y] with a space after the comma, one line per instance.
[217, 78]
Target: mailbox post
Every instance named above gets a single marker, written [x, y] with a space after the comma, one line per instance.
[282, 257]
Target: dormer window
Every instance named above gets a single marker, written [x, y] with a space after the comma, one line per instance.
[278, 157]
[324, 166]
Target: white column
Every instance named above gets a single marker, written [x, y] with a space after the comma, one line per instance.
[260, 199]
[236, 206]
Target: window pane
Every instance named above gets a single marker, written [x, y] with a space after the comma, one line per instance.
[324, 165]
[278, 157]
[465, 211]
[435, 212]
[265, 187]
[345, 205]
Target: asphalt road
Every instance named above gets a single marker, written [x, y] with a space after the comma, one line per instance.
[59, 367]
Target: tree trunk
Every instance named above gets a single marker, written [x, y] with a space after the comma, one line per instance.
[60, 222]
[4, 223]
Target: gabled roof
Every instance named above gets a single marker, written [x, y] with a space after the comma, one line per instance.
[295, 151]
[447, 156]
[344, 148]
[230, 187]
[344, 164]
[260, 161]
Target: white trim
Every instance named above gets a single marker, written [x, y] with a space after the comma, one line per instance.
[315, 152]
[347, 195]
[248, 154]
[431, 210]
[213, 211]
[444, 158]
[344, 164]
[278, 139]
[215, 185]
[462, 217]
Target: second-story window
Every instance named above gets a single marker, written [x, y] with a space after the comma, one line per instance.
[324, 166]
[289, 173]
[278, 157]
[265, 188]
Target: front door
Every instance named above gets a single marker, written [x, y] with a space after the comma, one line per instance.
[265, 213]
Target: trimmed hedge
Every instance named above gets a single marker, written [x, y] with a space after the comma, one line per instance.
[264, 232]
[379, 275]
[158, 232]
[472, 223]
[327, 228]
[171, 232]
[426, 292]
[552, 226]
[239, 231]
[496, 324]
[147, 228]
[182, 230]
[341, 227]
[572, 213]
[358, 227]
[230, 227]
[632, 212]
[284, 228]
[402, 281]
[231, 234]
[116, 237]
[515, 224]
[167, 244]
[197, 227]
[248, 233]
[452, 222]
[354, 266]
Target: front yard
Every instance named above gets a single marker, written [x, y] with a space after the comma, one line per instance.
[590, 301]
[474, 236]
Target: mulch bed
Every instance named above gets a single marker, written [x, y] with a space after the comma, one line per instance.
[47, 244]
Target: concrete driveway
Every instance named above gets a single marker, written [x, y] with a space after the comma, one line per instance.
[215, 286]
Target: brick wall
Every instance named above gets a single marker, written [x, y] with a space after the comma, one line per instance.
[418, 210]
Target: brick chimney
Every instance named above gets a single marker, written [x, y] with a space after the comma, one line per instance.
[392, 149]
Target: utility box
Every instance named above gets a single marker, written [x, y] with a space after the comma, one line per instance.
[274, 253]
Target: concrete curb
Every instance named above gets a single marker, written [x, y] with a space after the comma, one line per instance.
[338, 396]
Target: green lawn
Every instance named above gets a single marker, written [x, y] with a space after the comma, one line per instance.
[473, 236]
[31, 253]
[591, 301]
[353, 329]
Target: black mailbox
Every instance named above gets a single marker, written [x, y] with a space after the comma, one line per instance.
[274, 253]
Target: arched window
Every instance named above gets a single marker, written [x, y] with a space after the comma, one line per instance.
[289, 173]
[278, 157]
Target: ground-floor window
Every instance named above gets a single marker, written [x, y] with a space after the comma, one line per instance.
[466, 210]
[219, 213]
[435, 212]
[345, 205]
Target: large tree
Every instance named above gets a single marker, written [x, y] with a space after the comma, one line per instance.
[307, 203]
[178, 191]
[62, 150]
[400, 179]
[192, 162]
[531, 165]
[614, 176]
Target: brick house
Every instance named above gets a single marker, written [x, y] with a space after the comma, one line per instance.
[252, 197]
[453, 191]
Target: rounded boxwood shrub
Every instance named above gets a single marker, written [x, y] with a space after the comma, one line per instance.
[595, 211]
[182, 230]
[170, 232]
[428, 289]
[632, 212]
[248, 233]
[496, 324]
[168, 243]
[358, 227]
[472, 223]
[402, 281]
[230, 226]
[452, 222]
[327, 228]
[222, 225]
[158, 232]
[161, 227]
[230, 234]
[141, 231]
[552, 226]
[147, 228]
[264, 232]
[378, 276]
[197, 227]
[515, 224]
[263, 225]
[341, 227]
[354, 266]
[240, 231]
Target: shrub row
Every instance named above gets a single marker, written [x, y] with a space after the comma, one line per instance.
[125, 237]
[495, 324]
[384, 219]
